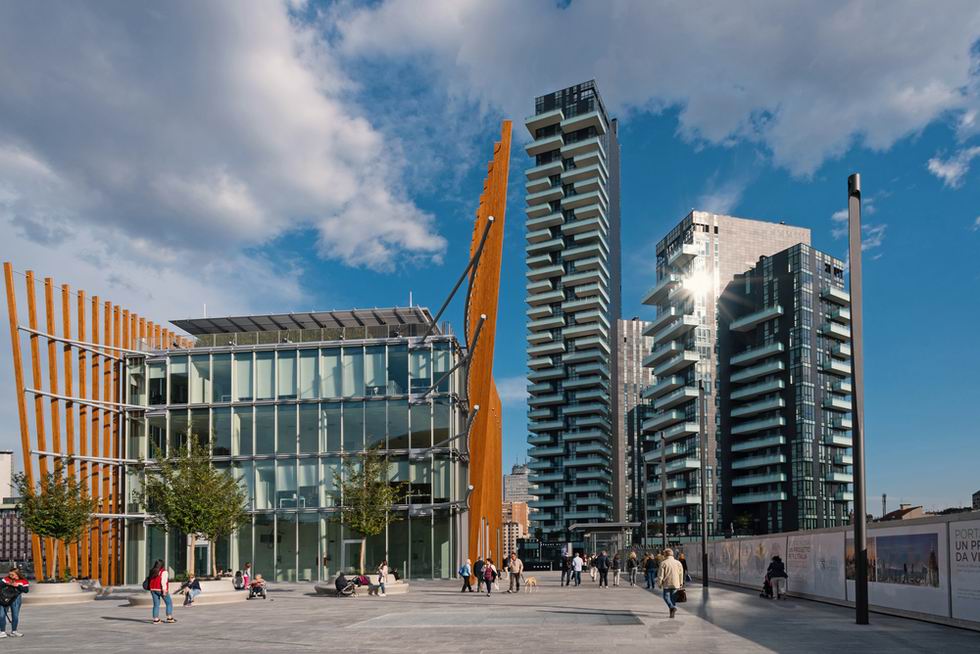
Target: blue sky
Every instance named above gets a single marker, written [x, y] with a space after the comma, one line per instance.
[317, 155]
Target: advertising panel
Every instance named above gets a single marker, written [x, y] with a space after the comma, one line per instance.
[906, 568]
[725, 560]
[815, 564]
[754, 557]
[964, 563]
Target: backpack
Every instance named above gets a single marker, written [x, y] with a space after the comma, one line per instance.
[461, 572]
[8, 594]
[488, 573]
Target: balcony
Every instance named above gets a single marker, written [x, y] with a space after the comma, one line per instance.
[659, 292]
[546, 373]
[837, 440]
[584, 225]
[679, 500]
[841, 315]
[584, 277]
[545, 400]
[552, 322]
[545, 196]
[542, 452]
[537, 210]
[583, 435]
[835, 403]
[597, 170]
[676, 364]
[545, 246]
[545, 170]
[544, 144]
[835, 330]
[589, 395]
[585, 251]
[770, 386]
[585, 146]
[758, 461]
[768, 368]
[582, 121]
[679, 430]
[842, 423]
[844, 496]
[581, 200]
[591, 487]
[757, 480]
[756, 353]
[663, 386]
[759, 425]
[550, 297]
[540, 362]
[539, 286]
[546, 272]
[544, 119]
[537, 338]
[835, 367]
[586, 303]
[588, 381]
[771, 404]
[587, 407]
[591, 448]
[662, 420]
[538, 236]
[755, 498]
[539, 440]
[582, 461]
[546, 504]
[546, 477]
[673, 348]
[843, 386]
[840, 477]
[544, 222]
[653, 486]
[841, 351]
[753, 320]
[676, 520]
[836, 295]
[673, 451]
[842, 459]
[679, 396]
[594, 474]
[683, 254]
[586, 515]
[581, 356]
[588, 329]
[689, 463]
[758, 443]
[539, 260]
[678, 328]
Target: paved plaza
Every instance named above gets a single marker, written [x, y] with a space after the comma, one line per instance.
[435, 617]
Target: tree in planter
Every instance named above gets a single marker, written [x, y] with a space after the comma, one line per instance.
[367, 496]
[60, 509]
[185, 492]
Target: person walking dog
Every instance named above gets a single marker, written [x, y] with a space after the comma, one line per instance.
[516, 568]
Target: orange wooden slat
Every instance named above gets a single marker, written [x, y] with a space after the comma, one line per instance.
[69, 408]
[107, 423]
[54, 403]
[83, 423]
[25, 438]
[94, 444]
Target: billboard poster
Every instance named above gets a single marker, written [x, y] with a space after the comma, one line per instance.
[726, 560]
[906, 568]
[964, 563]
[755, 556]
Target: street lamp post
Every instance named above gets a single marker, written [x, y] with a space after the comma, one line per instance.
[663, 490]
[857, 400]
[702, 407]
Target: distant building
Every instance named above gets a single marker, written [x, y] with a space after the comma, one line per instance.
[632, 378]
[976, 501]
[904, 512]
[514, 525]
[6, 473]
[516, 486]
[15, 540]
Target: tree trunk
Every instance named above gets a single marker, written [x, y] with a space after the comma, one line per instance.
[363, 553]
[191, 544]
[214, 556]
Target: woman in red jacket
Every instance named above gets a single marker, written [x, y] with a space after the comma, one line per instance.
[14, 579]
[160, 590]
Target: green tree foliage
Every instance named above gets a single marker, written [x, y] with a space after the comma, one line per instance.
[367, 496]
[186, 493]
[58, 508]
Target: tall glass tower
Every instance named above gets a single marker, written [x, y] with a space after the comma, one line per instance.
[573, 296]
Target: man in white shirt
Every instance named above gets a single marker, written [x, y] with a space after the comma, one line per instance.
[577, 564]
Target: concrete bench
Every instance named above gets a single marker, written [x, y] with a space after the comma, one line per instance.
[213, 591]
[392, 587]
[69, 593]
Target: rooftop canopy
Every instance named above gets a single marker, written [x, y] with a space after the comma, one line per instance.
[308, 320]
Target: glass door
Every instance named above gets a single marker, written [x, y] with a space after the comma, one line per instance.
[351, 555]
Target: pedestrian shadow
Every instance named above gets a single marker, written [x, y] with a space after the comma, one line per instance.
[140, 620]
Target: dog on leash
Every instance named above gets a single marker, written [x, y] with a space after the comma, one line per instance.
[530, 584]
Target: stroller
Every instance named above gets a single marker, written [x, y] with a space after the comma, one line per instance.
[346, 587]
[766, 588]
[257, 588]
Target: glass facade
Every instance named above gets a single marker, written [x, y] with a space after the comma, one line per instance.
[282, 418]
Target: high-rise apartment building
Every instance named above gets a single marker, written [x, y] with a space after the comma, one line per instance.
[515, 523]
[785, 383]
[573, 293]
[633, 379]
[695, 262]
[517, 488]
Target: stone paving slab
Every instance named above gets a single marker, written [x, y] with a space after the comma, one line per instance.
[435, 617]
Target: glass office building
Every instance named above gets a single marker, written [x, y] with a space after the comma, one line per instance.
[281, 401]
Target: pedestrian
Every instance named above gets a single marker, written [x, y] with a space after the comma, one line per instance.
[592, 568]
[159, 586]
[601, 565]
[489, 574]
[478, 572]
[631, 565]
[778, 577]
[616, 566]
[464, 571]
[577, 564]
[247, 574]
[683, 560]
[650, 570]
[670, 578]
[12, 589]
[190, 588]
[238, 583]
[382, 577]
[516, 568]
[565, 569]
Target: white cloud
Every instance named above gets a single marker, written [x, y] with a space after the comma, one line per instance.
[512, 390]
[721, 197]
[976, 224]
[874, 236]
[951, 171]
[199, 127]
[806, 81]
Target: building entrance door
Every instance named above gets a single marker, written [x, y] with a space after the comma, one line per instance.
[350, 555]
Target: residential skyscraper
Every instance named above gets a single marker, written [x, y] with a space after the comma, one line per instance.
[573, 293]
[785, 384]
[633, 379]
[516, 485]
[695, 261]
